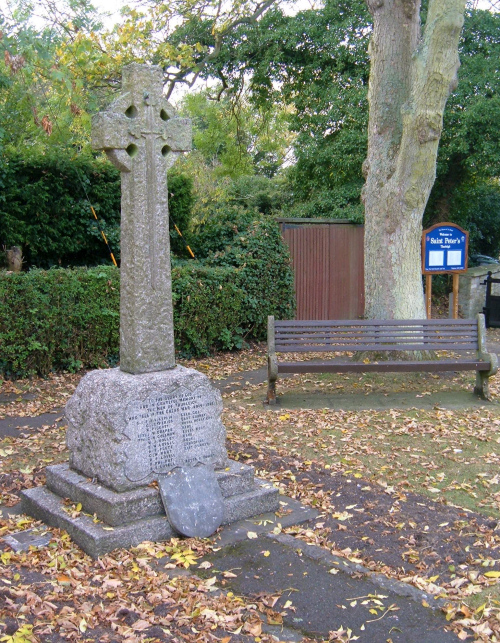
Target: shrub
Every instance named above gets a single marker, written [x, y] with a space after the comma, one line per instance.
[58, 320]
[67, 319]
[222, 228]
[44, 208]
[263, 272]
[180, 204]
[208, 309]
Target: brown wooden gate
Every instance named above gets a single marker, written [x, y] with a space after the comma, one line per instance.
[327, 257]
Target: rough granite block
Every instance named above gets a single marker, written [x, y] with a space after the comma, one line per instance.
[96, 539]
[124, 430]
[263, 498]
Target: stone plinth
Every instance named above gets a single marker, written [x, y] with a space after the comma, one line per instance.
[472, 292]
[110, 519]
[125, 430]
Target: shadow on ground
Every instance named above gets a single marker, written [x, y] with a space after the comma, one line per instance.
[380, 401]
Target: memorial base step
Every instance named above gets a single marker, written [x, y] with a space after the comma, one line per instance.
[109, 520]
[119, 508]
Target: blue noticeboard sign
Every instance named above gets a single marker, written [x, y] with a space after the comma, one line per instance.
[444, 249]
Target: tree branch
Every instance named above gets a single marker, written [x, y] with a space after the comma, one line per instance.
[198, 67]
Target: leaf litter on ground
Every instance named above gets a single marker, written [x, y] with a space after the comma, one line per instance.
[412, 493]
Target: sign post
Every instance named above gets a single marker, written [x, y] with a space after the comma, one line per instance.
[444, 250]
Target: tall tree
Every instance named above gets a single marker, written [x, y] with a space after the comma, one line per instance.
[411, 76]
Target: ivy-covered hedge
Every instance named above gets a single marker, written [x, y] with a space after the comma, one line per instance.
[66, 319]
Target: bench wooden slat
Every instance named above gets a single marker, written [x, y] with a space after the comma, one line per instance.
[374, 322]
[374, 333]
[337, 348]
[384, 339]
[388, 367]
[354, 336]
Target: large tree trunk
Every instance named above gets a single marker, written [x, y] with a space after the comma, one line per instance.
[411, 77]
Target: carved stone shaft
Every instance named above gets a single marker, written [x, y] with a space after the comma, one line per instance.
[139, 132]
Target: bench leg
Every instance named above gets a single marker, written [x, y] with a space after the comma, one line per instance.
[272, 376]
[271, 392]
[482, 388]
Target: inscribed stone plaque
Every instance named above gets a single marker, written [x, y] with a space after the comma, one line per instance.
[193, 500]
[172, 430]
[124, 429]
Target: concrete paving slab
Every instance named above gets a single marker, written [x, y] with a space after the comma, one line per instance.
[14, 426]
[315, 602]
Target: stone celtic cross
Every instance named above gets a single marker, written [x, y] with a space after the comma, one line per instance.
[140, 134]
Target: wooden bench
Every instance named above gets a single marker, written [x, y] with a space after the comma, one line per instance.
[379, 335]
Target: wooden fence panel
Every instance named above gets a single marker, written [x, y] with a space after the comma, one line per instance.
[327, 260]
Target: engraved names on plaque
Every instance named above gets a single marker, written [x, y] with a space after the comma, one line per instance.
[172, 430]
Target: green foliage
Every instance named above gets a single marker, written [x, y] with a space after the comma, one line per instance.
[476, 208]
[67, 319]
[261, 262]
[58, 320]
[315, 64]
[223, 228]
[466, 190]
[208, 309]
[44, 208]
[180, 205]
[234, 137]
[257, 192]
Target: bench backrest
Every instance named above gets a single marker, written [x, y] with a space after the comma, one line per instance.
[376, 335]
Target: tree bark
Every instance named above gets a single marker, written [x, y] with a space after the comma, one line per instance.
[411, 77]
[14, 257]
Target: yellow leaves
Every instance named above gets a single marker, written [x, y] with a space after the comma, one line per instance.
[492, 574]
[252, 535]
[343, 515]
[23, 635]
[183, 557]
[5, 557]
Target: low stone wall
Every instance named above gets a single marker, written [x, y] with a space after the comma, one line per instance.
[472, 292]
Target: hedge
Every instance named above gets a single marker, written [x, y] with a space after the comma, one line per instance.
[58, 320]
[44, 208]
[67, 319]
